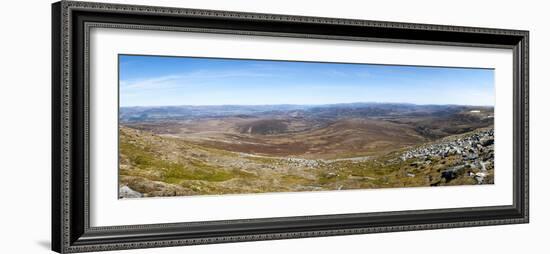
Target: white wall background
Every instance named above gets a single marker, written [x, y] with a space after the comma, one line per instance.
[25, 125]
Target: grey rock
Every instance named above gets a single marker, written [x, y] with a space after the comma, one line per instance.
[487, 141]
[127, 192]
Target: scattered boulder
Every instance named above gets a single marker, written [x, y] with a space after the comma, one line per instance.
[453, 172]
[127, 192]
[480, 176]
[487, 141]
[331, 175]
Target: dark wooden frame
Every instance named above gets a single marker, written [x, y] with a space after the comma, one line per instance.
[71, 22]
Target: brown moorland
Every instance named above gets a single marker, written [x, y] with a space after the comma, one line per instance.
[291, 151]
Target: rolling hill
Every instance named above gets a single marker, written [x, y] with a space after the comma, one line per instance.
[199, 150]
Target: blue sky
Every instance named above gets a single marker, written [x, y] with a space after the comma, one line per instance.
[163, 81]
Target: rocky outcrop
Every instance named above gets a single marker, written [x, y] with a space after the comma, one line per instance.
[474, 151]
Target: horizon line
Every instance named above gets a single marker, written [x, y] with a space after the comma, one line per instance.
[294, 104]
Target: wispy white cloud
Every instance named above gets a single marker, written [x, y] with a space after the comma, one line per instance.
[181, 79]
[155, 82]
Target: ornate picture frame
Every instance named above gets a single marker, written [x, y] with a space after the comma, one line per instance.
[71, 196]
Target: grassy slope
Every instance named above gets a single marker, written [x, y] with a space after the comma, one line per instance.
[164, 166]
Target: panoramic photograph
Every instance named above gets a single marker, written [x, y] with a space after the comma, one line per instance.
[214, 126]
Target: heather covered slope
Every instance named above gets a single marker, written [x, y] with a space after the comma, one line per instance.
[200, 150]
[155, 165]
[305, 131]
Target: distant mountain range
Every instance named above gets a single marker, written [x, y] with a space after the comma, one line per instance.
[327, 111]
